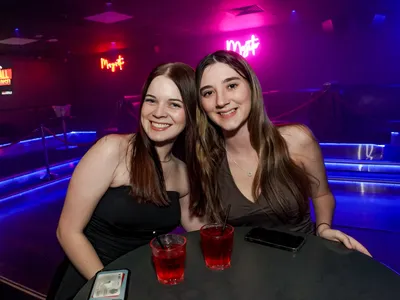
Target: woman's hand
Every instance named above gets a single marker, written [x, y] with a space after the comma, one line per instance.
[348, 241]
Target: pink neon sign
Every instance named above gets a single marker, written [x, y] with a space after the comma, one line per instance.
[244, 50]
[106, 64]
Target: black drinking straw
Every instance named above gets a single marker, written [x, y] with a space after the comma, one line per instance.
[228, 209]
[159, 240]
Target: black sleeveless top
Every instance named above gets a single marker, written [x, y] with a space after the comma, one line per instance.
[246, 213]
[119, 224]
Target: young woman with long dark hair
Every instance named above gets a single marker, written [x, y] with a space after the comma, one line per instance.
[128, 187]
[268, 174]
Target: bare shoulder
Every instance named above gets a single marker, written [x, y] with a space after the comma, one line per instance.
[112, 145]
[301, 143]
[297, 135]
[117, 140]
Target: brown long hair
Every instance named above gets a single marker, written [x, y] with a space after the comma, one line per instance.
[276, 171]
[146, 175]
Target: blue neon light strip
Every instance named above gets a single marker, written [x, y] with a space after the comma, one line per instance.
[362, 183]
[38, 172]
[363, 167]
[27, 192]
[34, 177]
[352, 145]
[346, 182]
[381, 167]
[94, 132]
[50, 136]
[82, 132]
[334, 166]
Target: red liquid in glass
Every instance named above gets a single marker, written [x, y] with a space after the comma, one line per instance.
[217, 249]
[170, 265]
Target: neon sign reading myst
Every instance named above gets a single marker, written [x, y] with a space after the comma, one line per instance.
[105, 64]
[244, 50]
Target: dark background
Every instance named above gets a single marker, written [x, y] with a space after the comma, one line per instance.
[295, 58]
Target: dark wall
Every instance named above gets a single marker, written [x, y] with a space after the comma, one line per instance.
[362, 59]
[97, 92]
[37, 84]
[297, 57]
[289, 58]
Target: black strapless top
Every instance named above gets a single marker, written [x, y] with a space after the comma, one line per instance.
[120, 224]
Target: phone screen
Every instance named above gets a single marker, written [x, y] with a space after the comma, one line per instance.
[275, 238]
[110, 285]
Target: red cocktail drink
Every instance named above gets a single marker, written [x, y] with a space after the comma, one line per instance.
[217, 245]
[170, 261]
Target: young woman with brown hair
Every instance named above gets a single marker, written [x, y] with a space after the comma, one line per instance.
[128, 187]
[267, 173]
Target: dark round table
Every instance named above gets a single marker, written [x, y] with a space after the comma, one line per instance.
[321, 270]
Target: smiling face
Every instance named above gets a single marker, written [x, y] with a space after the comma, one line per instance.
[225, 97]
[163, 115]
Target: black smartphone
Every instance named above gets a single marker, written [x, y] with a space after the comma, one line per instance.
[111, 284]
[274, 238]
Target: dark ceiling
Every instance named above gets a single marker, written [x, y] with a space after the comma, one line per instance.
[60, 25]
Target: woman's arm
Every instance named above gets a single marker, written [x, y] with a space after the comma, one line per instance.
[306, 152]
[91, 178]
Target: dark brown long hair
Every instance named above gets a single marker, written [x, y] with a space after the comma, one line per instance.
[276, 171]
[146, 175]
